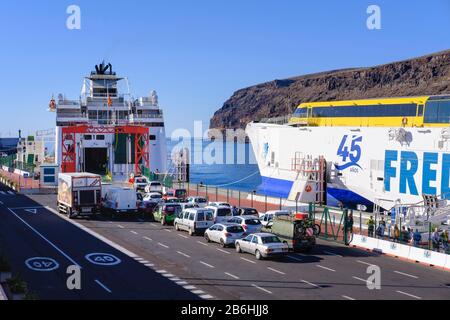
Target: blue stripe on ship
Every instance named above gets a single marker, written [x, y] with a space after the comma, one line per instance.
[281, 188]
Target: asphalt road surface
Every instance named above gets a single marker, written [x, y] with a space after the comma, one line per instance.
[331, 271]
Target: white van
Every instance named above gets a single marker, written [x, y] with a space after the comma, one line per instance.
[194, 221]
[221, 213]
[154, 186]
[120, 200]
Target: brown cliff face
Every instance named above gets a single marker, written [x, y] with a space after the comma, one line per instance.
[428, 75]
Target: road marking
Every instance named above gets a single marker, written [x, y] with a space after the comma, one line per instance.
[45, 239]
[409, 295]
[248, 260]
[147, 238]
[359, 279]
[206, 297]
[161, 271]
[262, 289]
[197, 292]
[406, 274]
[348, 298]
[207, 264]
[181, 283]
[167, 230]
[203, 244]
[366, 263]
[223, 251]
[332, 254]
[311, 284]
[325, 268]
[103, 286]
[183, 236]
[120, 226]
[275, 270]
[163, 245]
[232, 275]
[190, 287]
[134, 232]
[144, 262]
[183, 254]
[168, 275]
[295, 258]
[149, 265]
[11, 193]
[3, 193]
[27, 208]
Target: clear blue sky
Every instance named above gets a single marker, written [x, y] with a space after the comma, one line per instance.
[196, 53]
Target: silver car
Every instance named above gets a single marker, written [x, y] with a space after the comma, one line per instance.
[262, 245]
[225, 233]
[251, 224]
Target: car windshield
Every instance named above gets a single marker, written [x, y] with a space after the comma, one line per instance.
[209, 215]
[251, 212]
[180, 193]
[270, 239]
[252, 222]
[223, 212]
[173, 209]
[201, 200]
[235, 229]
[156, 196]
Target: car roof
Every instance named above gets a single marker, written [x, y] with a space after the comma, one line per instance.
[227, 224]
[248, 217]
[247, 208]
[263, 234]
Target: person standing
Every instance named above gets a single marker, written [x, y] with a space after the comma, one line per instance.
[444, 238]
[396, 233]
[417, 238]
[436, 239]
[371, 226]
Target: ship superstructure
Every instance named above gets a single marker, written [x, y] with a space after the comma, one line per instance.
[108, 132]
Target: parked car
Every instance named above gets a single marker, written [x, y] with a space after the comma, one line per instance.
[202, 202]
[268, 216]
[221, 213]
[219, 204]
[244, 211]
[172, 200]
[225, 233]
[166, 213]
[292, 232]
[251, 224]
[153, 197]
[262, 245]
[120, 200]
[177, 193]
[140, 183]
[148, 208]
[194, 221]
[188, 205]
[154, 186]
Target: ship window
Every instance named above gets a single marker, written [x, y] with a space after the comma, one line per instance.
[152, 137]
[437, 112]
[100, 137]
[87, 137]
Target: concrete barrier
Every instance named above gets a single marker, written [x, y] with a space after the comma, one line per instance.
[429, 257]
[394, 249]
[447, 263]
[365, 242]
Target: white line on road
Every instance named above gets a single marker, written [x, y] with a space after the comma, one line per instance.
[366, 263]
[295, 258]
[181, 283]
[275, 270]
[207, 297]
[147, 238]
[134, 232]
[197, 292]
[262, 289]
[103, 286]
[183, 236]
[409, 295]
[359, 279]
[190, 287]
[149, 265]
[332, 254]
[207, 264]
[325, 268]
[406, 274]
[232, 275]
[161, 271]
[183, 254]
[163, 245]
[45, 239]
[120, 226]
[311, 284]
[11, 193]
[248, 260]
[203, 244]
[223, 251]
[348, 298]
[167, 230]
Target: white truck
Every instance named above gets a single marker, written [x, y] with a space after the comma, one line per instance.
[79, 194]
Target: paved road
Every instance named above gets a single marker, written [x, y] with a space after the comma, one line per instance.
[331, 271]
[29, 230]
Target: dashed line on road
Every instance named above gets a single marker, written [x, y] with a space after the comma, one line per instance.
[147, 238]
[406, 274]
[359, 279]
[409, 295]
[348, 298]
[183, 236]
[262, 289]
[311, 284]
[161, 271]
[253, 262]
[223, 251]
[206, 297]
[163, 245]
[183, 254]
[120, 226]
[103, 286]
[134, 232]
[203, 244]
[366, 263]
[277, 271]
[207, 264]
[232, 276]
[325, 268]
[167, 230]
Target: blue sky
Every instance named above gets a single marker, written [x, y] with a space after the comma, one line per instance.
[196, 53]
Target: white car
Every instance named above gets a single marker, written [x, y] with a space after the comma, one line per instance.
[202, 202]
[140, 183]
[251, 224]
[225, 233]
[219, 204]
[153, 197]
[221, 213]
[194, 221]
[267, 217]
[120, 200]
[262, 245]
[154, 186]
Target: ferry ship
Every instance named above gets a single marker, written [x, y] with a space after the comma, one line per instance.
[373, 154]
[108, 132]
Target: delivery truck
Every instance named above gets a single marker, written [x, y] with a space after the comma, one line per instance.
[79, 194]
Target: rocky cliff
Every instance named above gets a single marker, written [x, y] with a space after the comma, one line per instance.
[426, 75]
